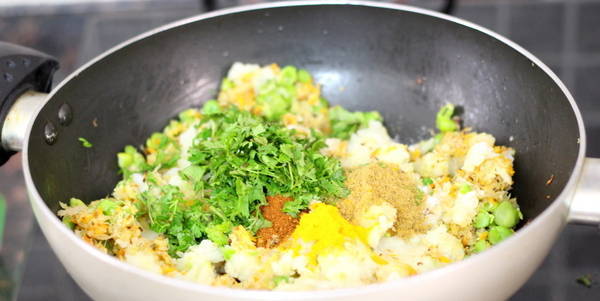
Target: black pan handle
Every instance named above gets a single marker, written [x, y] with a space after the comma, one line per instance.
[21, 69]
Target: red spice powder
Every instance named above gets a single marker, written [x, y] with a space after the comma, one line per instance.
[282, 224]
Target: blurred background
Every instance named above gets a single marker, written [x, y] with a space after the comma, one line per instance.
[564, 34]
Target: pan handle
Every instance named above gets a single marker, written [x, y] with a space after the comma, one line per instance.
[585, 208]
[21, 70]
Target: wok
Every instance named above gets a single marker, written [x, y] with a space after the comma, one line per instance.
[401, 61]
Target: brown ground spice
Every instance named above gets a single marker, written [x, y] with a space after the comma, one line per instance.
[282, 224]
[376, 183]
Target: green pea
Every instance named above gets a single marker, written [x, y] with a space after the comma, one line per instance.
[227, 84]
[76, 202]
[107, 206]
[444, 120]
[324, 102]
[193, 173]
[279, 279]
[267, 87]
[188, 115]
[124, 160]
[480, 246]
[304, 76]
[211, 107]
[289, 75]
[499, 233]
[68, 222]
[228, 252]
[287, 91]
[482, 220]
[489, 206]
[427, 181]
[465, 189]
[506, 215]
[274, 105]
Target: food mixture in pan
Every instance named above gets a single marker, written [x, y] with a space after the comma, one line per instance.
[270, 187]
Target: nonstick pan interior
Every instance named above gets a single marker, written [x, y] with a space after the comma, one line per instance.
[402, 64]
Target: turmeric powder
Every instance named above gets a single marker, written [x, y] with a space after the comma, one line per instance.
[327, 229]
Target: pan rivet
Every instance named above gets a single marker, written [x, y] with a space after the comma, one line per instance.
[65, 114]
[50, 133]
[8, 77]
[10, 64]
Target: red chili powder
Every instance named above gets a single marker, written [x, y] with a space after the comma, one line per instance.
[282, 224]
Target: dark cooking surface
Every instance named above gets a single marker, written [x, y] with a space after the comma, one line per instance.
[573, 256]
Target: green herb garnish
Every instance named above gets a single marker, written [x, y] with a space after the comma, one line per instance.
[237, 160]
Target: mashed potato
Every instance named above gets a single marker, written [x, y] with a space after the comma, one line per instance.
[453, 184]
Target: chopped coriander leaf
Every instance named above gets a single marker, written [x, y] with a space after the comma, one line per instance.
[344, 123]
[85, 142]
[279, 279]
[211, 107]
[237, 160]
[163, 151]
[247, 158]
[304, 76]
[184, 223]
[466, 188]
[427, 181]
[108, 206]
[227, 252]
[217, 233]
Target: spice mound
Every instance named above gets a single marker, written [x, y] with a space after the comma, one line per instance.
[375, 183]
[282, 224]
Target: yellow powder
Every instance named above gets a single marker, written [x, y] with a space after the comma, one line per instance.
[327, 229]
[376, 183]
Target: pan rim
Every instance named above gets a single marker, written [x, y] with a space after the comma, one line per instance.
[38, 202]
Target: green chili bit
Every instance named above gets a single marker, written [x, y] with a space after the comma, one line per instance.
[585, 280]
[85, 142]
[444, 121]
